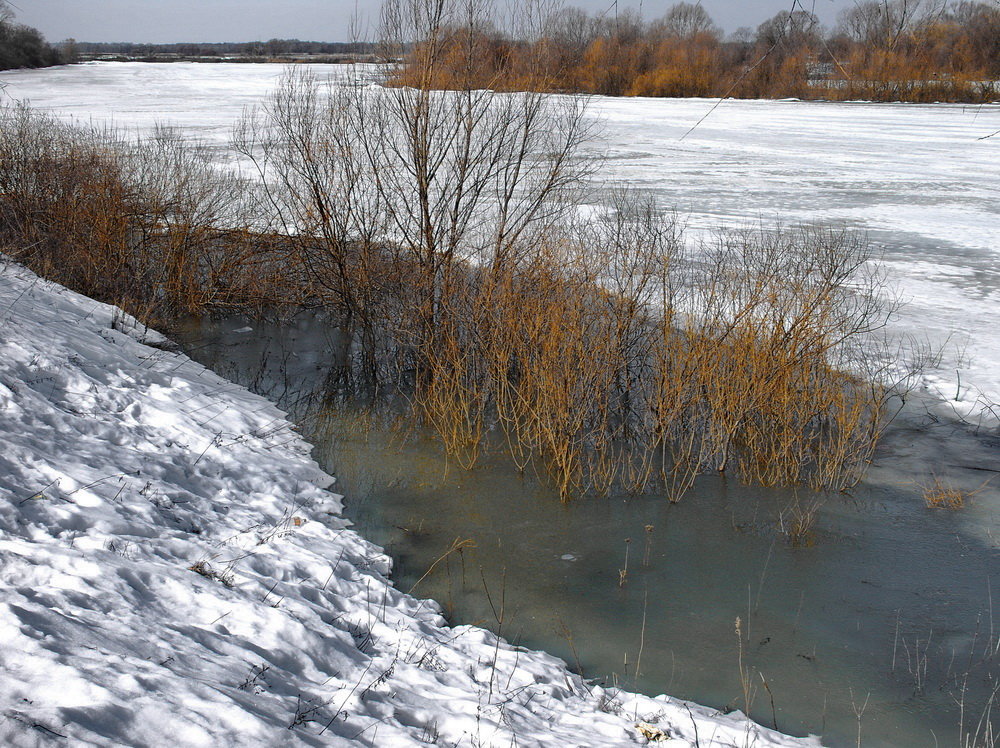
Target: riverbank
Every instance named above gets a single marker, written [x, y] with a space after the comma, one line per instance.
[173, 564]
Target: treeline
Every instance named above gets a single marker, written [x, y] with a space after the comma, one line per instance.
[24, 47]
[268, 49]
[880, 50]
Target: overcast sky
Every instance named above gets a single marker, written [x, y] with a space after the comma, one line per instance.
[315, 20]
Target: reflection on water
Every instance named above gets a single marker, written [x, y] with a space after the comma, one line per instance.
[884, 619]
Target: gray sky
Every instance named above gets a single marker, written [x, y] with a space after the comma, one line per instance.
[316, 20]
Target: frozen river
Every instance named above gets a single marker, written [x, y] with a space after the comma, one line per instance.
[922, 180]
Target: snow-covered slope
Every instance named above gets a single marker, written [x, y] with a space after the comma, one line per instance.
[174, 569]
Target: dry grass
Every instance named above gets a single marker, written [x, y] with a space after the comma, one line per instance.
[941, 493]
[797, 520]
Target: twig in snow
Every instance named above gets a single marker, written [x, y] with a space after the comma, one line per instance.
[38, 494]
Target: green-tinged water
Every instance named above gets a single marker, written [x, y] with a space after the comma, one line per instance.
[882, 624]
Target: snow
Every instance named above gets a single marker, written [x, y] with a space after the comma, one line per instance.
[174, 567]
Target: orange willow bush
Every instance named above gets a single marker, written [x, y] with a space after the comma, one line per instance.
[604, 354]
[146, 224]
[617, 360]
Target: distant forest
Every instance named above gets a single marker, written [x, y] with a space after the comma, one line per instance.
[25, 47]
[273, 48]
[884, 50]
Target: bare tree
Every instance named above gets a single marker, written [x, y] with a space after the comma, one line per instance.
[685, 20]
[626, 26]
[434, 179]
[882, 23]
[789, 31]
[573, 30]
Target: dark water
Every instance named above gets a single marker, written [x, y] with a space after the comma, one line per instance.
[883, 622]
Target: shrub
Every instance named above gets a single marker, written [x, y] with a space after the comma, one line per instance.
[147, 224]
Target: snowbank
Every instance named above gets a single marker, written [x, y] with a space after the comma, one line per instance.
[173, 568]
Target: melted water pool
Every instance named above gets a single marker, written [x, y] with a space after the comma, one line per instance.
[883, 623]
